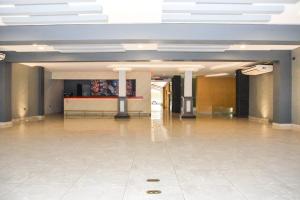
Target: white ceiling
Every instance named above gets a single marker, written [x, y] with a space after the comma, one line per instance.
[23, 12]
[156, 67]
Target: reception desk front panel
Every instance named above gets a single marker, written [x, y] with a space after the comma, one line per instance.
[102, 104]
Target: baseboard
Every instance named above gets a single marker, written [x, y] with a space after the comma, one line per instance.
[296, 127]
[259, 120]
[6, 124]
[29, 119]
[282, 126]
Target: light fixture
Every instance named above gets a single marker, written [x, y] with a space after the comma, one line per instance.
[116, 69]
[191, 69]
[2, 56]
[217, 75]
[140, 46]
[243, 46]
[7, 6]
[155, 61]
[227, 65]
[41, 48]
[35, 45]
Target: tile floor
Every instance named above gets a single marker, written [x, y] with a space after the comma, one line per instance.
[104, 159]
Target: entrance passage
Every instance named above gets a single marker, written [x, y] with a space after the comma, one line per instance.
[160, 97]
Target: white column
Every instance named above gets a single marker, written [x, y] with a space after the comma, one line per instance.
[122, 100]
[187, 100]
[122, 83]
[188, 84]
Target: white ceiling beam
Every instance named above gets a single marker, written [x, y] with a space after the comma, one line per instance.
[88, 46]
[234, 1]
[225, 9]
[185, 17]
[189, 50]
[91, 50]
[53, 9]
[191, 46]
[38, 2]
[64, 19]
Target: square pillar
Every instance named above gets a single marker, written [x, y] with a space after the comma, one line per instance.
[282, 91]
[41, 92]
[187, 108]
[5, 94]
[122, 99]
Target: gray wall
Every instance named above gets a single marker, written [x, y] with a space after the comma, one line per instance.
[25, 92]
[54, 91]
[296, 87]
[261, 96]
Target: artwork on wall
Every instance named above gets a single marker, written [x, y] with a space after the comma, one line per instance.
[110, 88]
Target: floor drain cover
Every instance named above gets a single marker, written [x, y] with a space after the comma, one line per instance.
[153, 192]
[153, 180]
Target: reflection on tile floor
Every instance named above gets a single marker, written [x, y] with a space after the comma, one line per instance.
[103, 159]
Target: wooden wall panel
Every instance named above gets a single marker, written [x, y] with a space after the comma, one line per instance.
[166, 97]
[215, 92]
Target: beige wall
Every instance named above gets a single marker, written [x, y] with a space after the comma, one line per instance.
[20, 90]
[261, 96]
[24, 91]
[54, 91]
[215, 92]
[296, 87]
[143, 86]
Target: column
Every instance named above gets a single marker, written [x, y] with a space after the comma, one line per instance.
[5, 94]
[282, 92]
[242, 95]
[187, 100]
[122, 99]
[41, 92]
[176, 94]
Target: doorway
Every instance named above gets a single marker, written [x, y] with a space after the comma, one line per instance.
[160, 97]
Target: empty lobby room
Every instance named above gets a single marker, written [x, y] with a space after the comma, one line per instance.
[137, 99]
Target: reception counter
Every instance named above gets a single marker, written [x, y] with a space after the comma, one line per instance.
[101, 106]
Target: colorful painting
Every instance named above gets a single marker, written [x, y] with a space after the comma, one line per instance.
[111, 87]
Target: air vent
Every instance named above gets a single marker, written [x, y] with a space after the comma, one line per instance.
[258, 69]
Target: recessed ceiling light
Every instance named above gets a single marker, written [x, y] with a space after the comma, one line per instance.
[191, 69]
[35, 45]
[140, 46]
[7, 6]
[155, 61]
[41, 48]
[216, 75]
[122, 69]
[243, 46]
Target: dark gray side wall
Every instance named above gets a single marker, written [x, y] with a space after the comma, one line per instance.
[54, 91]
[296, 87]
[5, 92]
[261, 96]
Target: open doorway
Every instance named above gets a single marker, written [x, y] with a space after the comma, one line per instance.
[160, 97]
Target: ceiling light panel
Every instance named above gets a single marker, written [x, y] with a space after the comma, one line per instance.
[39, 2]
[223, 11]
[41, 20]
[53, 9]
[217, 75]
[45, 12]
[192, 48]
[89, 48]
[234, 1]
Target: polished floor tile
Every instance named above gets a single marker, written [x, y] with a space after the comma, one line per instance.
[103, 159]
